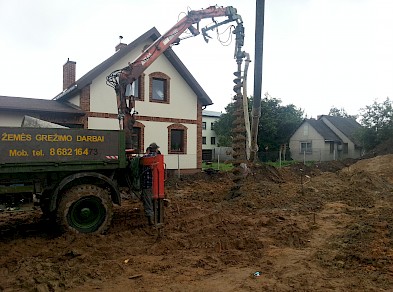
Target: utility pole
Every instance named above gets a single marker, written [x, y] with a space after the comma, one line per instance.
[256, 107]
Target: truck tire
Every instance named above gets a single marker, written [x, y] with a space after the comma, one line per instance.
[85, 209]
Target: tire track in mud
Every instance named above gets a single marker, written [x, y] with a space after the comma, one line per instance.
[296, 268]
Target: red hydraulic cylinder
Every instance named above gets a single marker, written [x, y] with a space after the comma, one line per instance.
[156, 163]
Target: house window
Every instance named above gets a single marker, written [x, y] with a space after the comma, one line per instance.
[204, 140]
[177, 137]
[177, 140]
[159, 87]
[136, 138]
[213, 140]
[203, 125]
[212, 126]
[136, 89]
[345, 148]
[305, 147]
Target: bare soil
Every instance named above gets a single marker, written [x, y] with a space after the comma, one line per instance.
[322, 228]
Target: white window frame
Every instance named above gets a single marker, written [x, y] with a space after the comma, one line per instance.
[307, 148]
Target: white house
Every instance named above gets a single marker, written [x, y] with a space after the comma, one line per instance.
[209, 137]
[172, 120]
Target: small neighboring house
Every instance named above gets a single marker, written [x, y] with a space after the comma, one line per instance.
[13, 109]
[209, 138]
[169, 103]
[326, 138]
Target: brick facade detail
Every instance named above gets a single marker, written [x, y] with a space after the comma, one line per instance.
[85, 103]
[141, 88]
[102, 115]
[167, 120]
[142, 137]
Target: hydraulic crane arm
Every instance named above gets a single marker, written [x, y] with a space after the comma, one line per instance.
[135, 69]
[122, 78]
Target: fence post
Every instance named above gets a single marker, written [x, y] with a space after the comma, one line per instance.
[178, 165]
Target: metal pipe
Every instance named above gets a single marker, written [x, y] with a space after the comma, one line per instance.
[256, 108]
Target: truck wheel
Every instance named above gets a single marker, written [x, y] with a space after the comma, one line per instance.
[85, 209]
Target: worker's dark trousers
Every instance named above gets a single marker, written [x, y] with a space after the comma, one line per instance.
[147, 200]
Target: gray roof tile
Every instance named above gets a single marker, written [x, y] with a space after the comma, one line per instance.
[349, 127]
[13, 103]
[323, 130]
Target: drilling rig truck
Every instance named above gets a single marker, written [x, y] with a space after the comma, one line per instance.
[75, 175]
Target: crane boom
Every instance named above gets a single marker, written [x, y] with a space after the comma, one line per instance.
[120, 79]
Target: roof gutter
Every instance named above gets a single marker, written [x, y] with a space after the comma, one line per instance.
[65, 92]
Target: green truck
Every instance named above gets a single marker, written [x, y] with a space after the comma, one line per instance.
[74, 175]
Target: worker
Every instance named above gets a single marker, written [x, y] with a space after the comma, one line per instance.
[147, 184]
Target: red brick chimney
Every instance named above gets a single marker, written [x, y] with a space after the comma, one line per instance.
[69, 69]
[120, 46]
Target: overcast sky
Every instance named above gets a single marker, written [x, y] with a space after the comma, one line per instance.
[317, 53]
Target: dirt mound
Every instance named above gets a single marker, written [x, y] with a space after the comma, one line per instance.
[327, 227]
[379, 166]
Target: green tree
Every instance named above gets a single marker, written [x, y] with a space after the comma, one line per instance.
[276, 124]
[223, 127]
[335, 112]
[377, 120]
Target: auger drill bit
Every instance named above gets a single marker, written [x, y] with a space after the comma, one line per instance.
[238, 130]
